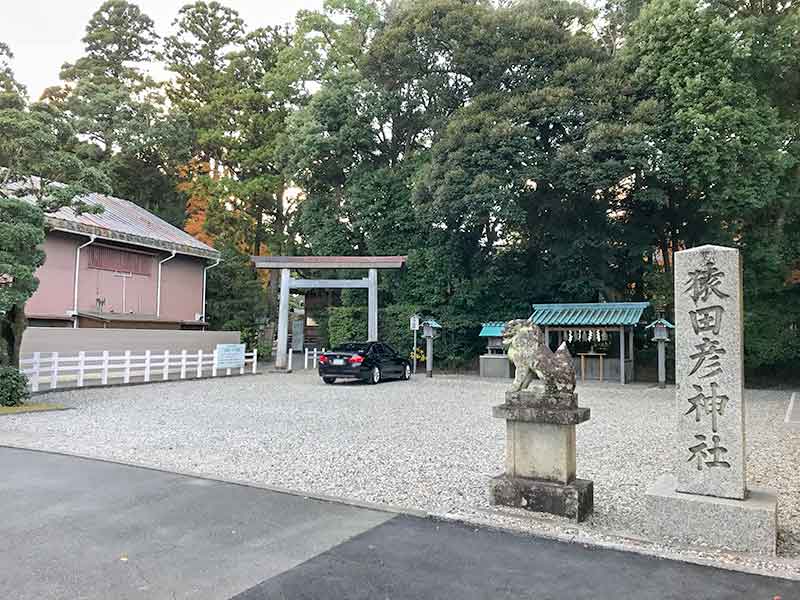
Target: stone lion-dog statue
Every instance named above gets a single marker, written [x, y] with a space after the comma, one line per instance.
[531, 357]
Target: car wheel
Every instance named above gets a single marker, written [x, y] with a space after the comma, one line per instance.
[375, 375]
[329, 380]
[407, 373]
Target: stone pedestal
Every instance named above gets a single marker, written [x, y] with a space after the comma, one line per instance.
[540, 455]
[495, 365]
[748, 525]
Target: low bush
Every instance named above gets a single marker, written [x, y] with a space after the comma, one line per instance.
[13, 387]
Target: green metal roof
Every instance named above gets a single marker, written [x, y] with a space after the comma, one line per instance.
[432, 322]
[492, 329]
[588, 314]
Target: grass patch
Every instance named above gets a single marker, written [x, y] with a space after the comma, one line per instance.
[31, 407]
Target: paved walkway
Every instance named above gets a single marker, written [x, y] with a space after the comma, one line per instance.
[76, 528]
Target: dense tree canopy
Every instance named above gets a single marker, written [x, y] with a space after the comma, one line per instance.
[516, 150]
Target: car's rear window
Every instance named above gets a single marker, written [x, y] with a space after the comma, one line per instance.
[351, 347]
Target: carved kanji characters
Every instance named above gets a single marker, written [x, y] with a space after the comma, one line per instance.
[705, 281]
[708, 318]
[713, 405]
[707, 356]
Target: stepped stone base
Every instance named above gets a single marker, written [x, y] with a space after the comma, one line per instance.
[748, 525]
[574, 500]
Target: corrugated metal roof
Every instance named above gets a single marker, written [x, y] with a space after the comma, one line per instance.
[127, 222]
[492, 329]
[588, 314]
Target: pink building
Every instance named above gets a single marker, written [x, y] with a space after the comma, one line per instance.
[121, 268]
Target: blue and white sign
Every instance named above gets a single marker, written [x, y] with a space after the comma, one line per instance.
[230, 356]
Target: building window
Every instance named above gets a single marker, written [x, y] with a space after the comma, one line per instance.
[112, 259]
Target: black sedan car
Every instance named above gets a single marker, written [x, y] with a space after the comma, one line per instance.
[368, 361]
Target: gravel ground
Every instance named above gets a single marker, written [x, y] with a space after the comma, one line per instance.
[426, 444]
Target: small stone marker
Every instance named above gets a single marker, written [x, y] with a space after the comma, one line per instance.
[706, 501]
[709, 381]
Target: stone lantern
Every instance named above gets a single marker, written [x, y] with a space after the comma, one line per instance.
[430, 330]
[661, 329]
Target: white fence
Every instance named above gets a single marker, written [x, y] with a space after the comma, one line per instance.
[58, 371]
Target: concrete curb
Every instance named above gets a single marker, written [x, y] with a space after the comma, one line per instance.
[624, 545]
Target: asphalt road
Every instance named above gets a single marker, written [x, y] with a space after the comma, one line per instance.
[81, 529]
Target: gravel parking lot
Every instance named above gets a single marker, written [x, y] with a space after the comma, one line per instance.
[426, 444]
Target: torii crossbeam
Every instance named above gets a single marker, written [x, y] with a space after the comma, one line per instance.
[287, 263]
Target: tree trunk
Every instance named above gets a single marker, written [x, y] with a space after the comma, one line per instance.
[12, 327]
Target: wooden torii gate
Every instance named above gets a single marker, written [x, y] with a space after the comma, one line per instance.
[288, 283]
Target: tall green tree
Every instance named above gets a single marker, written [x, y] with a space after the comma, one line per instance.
[38, 174]
[120, 112]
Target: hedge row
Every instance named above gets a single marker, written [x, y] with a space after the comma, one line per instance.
[457, 347]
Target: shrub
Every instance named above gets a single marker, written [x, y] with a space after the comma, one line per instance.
[13, 387]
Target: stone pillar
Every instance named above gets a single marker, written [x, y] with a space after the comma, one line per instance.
[709, 380]
[372, 306]
[429, 356]
[662, 364]
[540, 454]
[283, 321]
[706, 500]
[622, 355]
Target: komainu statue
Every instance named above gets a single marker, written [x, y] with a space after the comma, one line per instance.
[531, 357]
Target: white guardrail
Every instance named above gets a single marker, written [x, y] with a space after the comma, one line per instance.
[102, 368]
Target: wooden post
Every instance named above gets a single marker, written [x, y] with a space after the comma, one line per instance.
[199, 371]
[126, 377]
[183, 364]
[81, 367]
[289, 361]
[305, 359]
[631, 353]
[622, 355]
[147, 365]
[255, 360]
[53, 370]
[547, 338]
[283, 320]
[35, 374]
[372, 306]
[104, 375]
[165, 369]
[214, 365]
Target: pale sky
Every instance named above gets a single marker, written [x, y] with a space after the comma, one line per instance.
[43, 34]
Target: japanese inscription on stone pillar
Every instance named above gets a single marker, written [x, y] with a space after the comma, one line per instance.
[708, 372]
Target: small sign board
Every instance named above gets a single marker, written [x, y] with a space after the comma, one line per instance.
[230, 356]
[414, 322]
